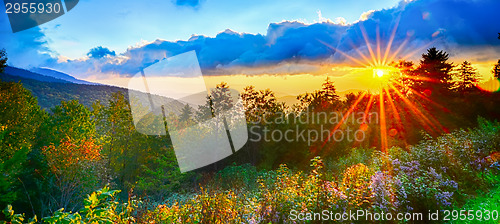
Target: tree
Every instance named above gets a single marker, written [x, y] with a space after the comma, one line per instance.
[70, 119]
[434, 72]
[320, 99]
[329, 91]
[260, 103]
[186, 113]
[20, 117]
[467, 78]
[3, 60]
[496, 70]
[122, 145]
[76, 170]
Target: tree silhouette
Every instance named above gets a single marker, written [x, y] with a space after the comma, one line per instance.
[329, 91]
[3, 60]
[496, 70]
[434, 72]
[467, 78]
[260, 103]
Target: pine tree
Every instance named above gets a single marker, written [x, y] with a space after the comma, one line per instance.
[435, 72]
[329, 91]
[467, 78]
[186, 113]
[496, 70]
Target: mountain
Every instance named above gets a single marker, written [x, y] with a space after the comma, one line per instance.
[60, 75]
[51, 91]
[22, 73]
[289, 100]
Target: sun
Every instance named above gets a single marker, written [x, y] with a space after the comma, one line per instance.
[383, 73]
[378, 72]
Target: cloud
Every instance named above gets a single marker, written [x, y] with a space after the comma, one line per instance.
[456, 26]
[27, 48]
[100, 52]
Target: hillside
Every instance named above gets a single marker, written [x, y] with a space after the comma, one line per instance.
[22, 73]
[60, 75]
[50, 94]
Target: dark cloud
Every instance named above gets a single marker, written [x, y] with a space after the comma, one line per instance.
[100, 52]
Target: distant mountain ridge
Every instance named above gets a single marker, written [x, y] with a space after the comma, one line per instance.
[61, 75]
[51, 91]
[23, 73]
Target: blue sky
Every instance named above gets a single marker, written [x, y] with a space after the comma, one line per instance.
[120, 24]
[104, 37]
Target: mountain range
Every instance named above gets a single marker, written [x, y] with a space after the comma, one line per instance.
[52, 87]
[59, 75]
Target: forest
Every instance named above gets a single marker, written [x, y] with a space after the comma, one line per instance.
[428, 141]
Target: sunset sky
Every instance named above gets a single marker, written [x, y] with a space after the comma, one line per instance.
[287, 46]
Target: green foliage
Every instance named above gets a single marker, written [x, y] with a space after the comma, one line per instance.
[10, 171]
[68, 120]
[489, 201]
[19, 120]
[161, 177]
[234, 177]
[15, 218]
[398, 181]
[100, 207]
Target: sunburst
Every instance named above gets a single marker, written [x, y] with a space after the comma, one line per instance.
[381, 62]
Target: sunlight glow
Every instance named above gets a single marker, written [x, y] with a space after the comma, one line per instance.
[387, 77]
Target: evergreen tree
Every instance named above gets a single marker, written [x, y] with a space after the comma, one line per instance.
[467, 78]
[329, 91]
[434, 72]
[186, 113]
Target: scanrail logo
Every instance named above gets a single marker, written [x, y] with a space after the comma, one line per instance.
[25, 14]
[204, 126]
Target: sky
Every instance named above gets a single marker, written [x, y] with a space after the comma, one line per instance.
[109, 41]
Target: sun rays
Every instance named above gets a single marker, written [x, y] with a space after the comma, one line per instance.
[396, 100]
